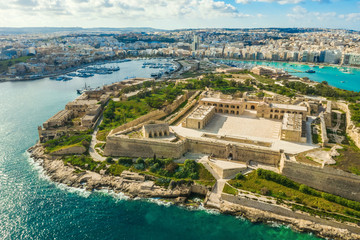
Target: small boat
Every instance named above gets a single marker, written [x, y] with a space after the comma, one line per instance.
[84, 89]
[310, 71]
[342, 81]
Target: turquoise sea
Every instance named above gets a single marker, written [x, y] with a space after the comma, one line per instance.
[32, 207]
[335, 76]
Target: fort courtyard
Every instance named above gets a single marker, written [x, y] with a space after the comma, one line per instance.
[245, 128]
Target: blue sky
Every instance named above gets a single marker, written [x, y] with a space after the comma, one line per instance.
[174, 14]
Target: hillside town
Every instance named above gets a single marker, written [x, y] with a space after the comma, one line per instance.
[34, 55]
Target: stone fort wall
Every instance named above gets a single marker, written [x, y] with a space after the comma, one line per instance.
[124, 146]
[325, 179]
[351, 129]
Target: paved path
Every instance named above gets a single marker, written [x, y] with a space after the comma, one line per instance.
[308, 129]
[93, 153]
[213, 197]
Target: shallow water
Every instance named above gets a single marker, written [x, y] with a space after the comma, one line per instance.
[333, 75]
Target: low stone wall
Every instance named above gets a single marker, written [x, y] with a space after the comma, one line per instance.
[70, 151]
[199, 189]
[325, 179]
[236, 152]
[352, 131]
[121, 145]
[324, 137]
[124, 146]
[191, 103]
[154, 115]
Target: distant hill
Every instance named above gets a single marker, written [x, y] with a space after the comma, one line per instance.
[11, 30]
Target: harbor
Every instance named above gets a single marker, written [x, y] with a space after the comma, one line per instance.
[346, 78]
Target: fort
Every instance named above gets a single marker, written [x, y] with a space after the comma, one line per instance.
[228, 134]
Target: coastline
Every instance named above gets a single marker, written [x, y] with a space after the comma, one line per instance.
[65, 71]
[295, 63]
[139, 186]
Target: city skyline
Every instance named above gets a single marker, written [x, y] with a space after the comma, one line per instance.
[181, 14]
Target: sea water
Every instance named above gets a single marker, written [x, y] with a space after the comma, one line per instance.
[32, 207]
[341, 77]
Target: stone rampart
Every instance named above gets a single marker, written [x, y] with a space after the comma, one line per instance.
[70, 150]
[352, 131]
[132, 147]
[234, 151]
[122, 145]
[325, 179]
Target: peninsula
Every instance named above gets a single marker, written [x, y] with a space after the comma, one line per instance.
[252, 143]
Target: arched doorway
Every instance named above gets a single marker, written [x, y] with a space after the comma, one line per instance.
[230, 157]
[252, 107]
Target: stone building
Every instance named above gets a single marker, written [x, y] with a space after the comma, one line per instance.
[59, 119]
[232, 106]
[291, 129]
[277, 110]
[200, 117]
[263, 109]
[155, 129]
[258, 70]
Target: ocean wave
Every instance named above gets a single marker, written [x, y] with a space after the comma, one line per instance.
[36, 165]
[117, 196]
[159, 201]
[207, 210]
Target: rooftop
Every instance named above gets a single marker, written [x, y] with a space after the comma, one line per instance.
[223, 101]
[201, 112]
[289, 107]
[292, 122]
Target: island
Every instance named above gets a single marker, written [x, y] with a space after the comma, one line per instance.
[247, 142]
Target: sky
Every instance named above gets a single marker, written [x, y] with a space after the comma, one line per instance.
[177, 14]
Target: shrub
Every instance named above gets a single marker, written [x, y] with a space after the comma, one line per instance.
[139, 166]
[275, 177]
[239, 176]
[265, 191]
[154, 167]
[140, 161]
[109, 160]
[162, 181]
[172, 167]
[126, 161]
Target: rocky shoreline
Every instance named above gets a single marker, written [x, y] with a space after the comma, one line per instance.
[143, 186]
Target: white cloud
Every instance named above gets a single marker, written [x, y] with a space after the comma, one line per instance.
[121, 9]
[299, 12]
[278, 1]
[351, 17]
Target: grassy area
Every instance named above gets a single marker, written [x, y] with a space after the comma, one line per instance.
[316, 137]
[355, 113]
[349, 159]
[168, 170]
[71, 139]
[217, 82]
[230, 190]
[119, 113]
[4, 64]
[165, 170]
[268, 183]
